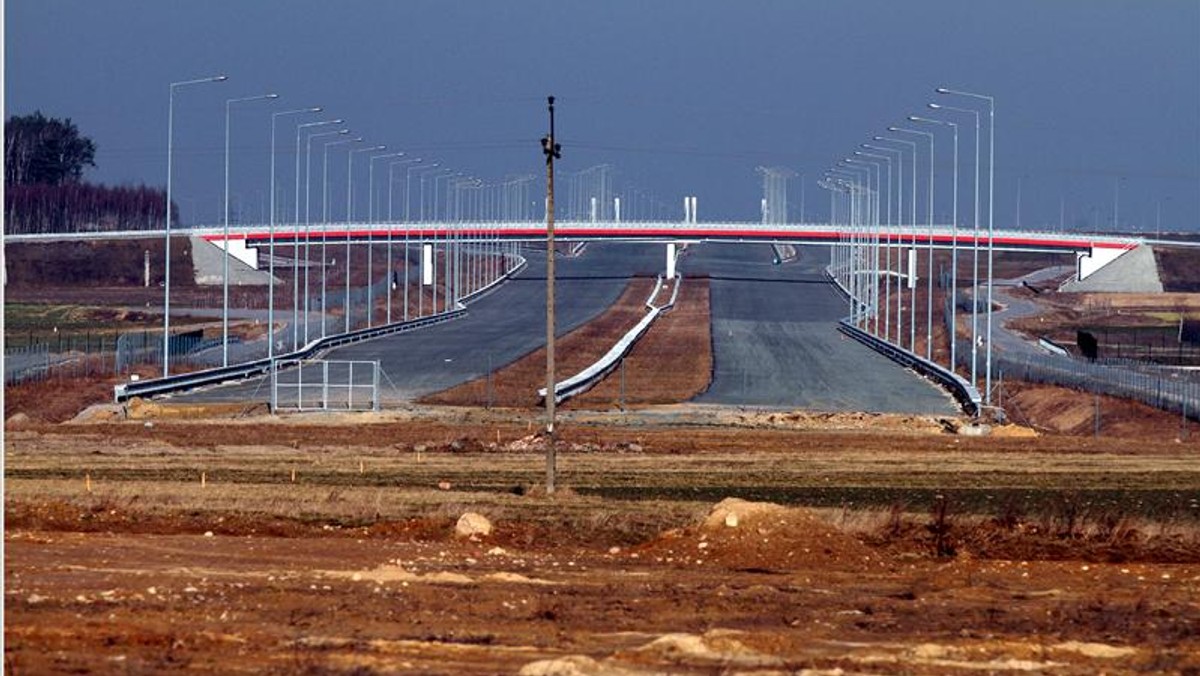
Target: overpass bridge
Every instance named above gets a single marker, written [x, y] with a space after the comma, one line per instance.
[245, 242]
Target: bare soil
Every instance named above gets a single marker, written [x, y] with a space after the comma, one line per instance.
[1060, 410]
[135, 549]
[157, 537]
[1178, 268]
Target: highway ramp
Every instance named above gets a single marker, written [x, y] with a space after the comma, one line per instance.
[776, 343]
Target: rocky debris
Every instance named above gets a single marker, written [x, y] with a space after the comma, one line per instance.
[571, 665]
[716, 648]
[974, 430]
[100, 413]
[471, 524]
[1097, 650]
[17, 421]
[537, 443]
[465, 445]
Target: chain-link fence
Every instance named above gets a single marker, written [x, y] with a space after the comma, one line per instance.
[64, 357]
[1172, 390]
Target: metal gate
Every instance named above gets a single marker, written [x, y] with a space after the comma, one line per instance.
[324, 385]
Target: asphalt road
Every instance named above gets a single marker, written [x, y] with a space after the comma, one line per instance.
[499, 328]
[776, 343]
[775, 334]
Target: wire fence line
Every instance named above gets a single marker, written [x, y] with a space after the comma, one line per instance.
[1170, 389]
[70, 358]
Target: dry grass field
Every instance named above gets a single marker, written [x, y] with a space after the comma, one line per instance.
[327, 545]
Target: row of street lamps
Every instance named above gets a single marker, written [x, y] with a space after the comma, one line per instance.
[860, 180]
[496, 200]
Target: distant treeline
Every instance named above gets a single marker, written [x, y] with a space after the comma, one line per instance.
[83, 207]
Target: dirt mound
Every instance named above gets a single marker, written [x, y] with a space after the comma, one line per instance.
[743, 535]
[141, 409]
[17, 421]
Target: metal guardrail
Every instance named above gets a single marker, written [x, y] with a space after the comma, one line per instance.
[257, 367]
[1052, 347]
[585, 379]
[964, 392]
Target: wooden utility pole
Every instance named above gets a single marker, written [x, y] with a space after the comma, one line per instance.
[552, 152]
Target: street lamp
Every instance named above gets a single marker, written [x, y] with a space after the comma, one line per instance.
[371, 183]
[879, 243]
[408, 227]
[875, 169]
[308, 229]
[912, 263]
[974, 249]
[446, 265]
[929, 218]
[391, 220]
[371, 233]
[225, 259]
[898, 236]
[296, 233]
[858, 193]
[349, 218]
[953, 337]
[850, 180]
[167, 216]
[991, 101]
[271, 246]
[892, 236]
[325, 221]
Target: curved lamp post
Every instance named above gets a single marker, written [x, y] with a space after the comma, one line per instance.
[325, 220]
[296, 233]
[166, 356]
[271, 245]
[897, 222]
[350, 217]
[225, 259]
[391, 219]
[308, 228]
[912, 284]
[974, 248]
[953, 337]
[371, 234]
[991, 101]
[408, 226]
[929, 217]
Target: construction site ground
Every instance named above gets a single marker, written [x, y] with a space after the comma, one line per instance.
[154, 537]
[326, 544]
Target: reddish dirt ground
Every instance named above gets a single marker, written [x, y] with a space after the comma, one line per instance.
[770, 590]
[175, 538]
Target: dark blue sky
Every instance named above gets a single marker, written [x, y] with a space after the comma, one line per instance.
[682, 97]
